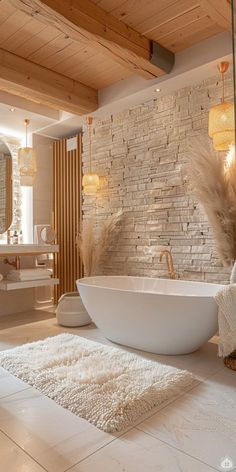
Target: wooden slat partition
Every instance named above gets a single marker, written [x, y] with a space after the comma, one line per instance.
[9, 195]
[67, 213]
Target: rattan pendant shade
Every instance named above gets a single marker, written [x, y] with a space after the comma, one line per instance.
[90, 181]
[27, 162]
[221, 119]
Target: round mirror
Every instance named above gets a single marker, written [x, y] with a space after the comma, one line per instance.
[5, 187]
[48, 235]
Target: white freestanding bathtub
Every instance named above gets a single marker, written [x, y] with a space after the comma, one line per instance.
[156, 315]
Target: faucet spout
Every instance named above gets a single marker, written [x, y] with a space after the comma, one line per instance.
[169, 260]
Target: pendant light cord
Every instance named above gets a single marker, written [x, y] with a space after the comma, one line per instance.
[90, 149]
[223, 67]
[223, 87]
[89, 123]
[26, 132]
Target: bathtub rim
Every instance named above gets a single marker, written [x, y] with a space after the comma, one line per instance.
[84, 281]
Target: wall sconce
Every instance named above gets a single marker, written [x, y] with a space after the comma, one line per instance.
[90, 181]
[27, 161]
[221, 118]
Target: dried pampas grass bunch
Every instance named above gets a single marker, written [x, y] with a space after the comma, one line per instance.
[92, 248]
[212, 177]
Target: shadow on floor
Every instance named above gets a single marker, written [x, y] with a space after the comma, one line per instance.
[18, 319]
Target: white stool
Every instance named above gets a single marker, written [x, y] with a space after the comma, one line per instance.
[71, 311]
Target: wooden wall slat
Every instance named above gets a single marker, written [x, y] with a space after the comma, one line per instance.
[9, 192]
[67, 213]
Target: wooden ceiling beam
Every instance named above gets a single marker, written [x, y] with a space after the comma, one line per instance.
[17, 102]
[219, 11]
[82, 20]
[26, 79]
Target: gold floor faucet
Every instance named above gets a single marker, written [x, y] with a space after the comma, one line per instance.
[169, 261]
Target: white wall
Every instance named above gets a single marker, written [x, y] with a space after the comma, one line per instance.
[43, 184]
[43, 201]
[23, 300]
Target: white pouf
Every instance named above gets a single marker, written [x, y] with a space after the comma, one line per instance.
[71, 311]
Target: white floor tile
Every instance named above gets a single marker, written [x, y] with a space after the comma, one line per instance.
[15, 336]
[13, 459]
[201, 363]
[53, 436]
[10, 384]
[139, 452]
[202, 423]
[6, 344]
[198, 428]
[17, 319]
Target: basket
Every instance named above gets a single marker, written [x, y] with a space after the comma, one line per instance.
[71, 311]
[230, 361]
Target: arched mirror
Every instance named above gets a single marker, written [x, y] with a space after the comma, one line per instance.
[5, 187]
[233, 9]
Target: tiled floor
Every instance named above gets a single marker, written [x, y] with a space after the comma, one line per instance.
[190, 434]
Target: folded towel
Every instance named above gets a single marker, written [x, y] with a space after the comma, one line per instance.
[26, 278]
[33, 271]
[29, 274]
[226, 300]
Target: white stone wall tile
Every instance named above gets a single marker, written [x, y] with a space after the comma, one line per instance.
[140, 153]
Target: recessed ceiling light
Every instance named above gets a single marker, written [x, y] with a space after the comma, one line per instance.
[157, 89]
[12, 109]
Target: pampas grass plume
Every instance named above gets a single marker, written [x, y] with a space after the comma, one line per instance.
[213, 182]
[92, 248]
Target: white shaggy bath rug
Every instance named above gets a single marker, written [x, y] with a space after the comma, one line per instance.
[109, 387]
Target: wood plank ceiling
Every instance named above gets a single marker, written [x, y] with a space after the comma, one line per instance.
[45, 45]
[174, 24]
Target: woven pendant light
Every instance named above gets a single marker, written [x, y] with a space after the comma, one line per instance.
[27, 161]
[90, 181]
[221, 118]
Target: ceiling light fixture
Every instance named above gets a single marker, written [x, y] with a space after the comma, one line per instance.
[90, 180]
[27, 161]
[157, 89]
[12, 109]
[221, 118]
